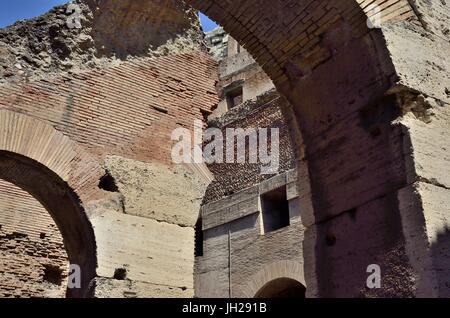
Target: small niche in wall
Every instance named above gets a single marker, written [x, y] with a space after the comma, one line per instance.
[108, 183]
[53, 274]
[275, 210]
[234, 94]
[120, 273]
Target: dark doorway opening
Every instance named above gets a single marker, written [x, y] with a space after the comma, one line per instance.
[282, 288]
[275, 210]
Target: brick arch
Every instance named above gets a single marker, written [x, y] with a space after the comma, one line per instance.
[338, 74]
[39, 159]
[270, 272]
[322, 57]
[282, 288]
[279, 33]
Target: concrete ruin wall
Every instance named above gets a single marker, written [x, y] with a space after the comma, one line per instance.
[424, 96]
[371, 104]
[351, 88]
[31, 49]
[237, 253]
[120, 106]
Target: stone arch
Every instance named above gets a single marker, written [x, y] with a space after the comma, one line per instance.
[37, 158]
[277, 270]
[340, 77]
[282, 288]
[276, 31]
[290, 40]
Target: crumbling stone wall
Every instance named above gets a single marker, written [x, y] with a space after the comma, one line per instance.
[92, 108]
[365, 143]
[343, 80]
[423, 99]
[34, 48]
[120, 109]
[268, 111]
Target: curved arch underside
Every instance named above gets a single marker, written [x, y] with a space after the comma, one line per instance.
[282, 288]
[337, 73]
[278, 33]
[290, 270]
[65, 208]
[47, 164]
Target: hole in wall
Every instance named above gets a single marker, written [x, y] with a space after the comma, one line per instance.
[108, 183]
[275, 210]
[160, 109]
[42, 236]
[16, 235]
[352, 213]
[53, 275]
[234, 96]
[375, 131]
[120, 273]
[228, 193]
[206, 114]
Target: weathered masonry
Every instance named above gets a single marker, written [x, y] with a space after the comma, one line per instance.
[371, 105]
[92, 146]
[250, 231]
[86, 117]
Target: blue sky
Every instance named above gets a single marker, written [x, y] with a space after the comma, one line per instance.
[207, 23]
[13, 10]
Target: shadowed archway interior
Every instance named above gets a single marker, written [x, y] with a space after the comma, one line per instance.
[282, 288]
[65, 208]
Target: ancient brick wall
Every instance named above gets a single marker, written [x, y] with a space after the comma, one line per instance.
[282, 30]
[238, 258]
[129, 111]
[33, 260]
[367, 101]
[268, 111]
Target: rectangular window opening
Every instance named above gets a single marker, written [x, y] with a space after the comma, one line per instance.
[275, 210]
[234, 97]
